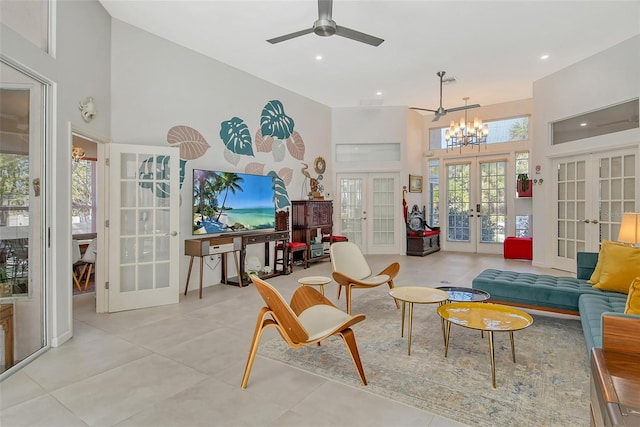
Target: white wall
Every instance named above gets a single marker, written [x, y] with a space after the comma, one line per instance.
[157, 84]
[607, 78]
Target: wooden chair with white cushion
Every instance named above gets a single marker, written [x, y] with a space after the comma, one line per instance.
[309, 319]
[351, 270]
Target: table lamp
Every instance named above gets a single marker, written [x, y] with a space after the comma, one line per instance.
[630, 228]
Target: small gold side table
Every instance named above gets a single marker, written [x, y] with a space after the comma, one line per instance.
[416, 295]
[315, 281]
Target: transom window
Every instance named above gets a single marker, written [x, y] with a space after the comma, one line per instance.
[505, 130]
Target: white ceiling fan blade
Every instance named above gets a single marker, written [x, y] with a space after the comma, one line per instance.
[464, 107]
[290, 36]
[358, 36]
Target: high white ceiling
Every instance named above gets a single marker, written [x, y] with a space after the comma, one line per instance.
[493, 48]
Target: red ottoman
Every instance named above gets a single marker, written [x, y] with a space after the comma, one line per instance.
[518, 248]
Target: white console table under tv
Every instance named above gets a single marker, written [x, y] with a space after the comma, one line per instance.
[236, 242]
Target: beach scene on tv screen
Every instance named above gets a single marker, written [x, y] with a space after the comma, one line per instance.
[226, 202]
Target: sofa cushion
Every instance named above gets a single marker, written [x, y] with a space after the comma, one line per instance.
[534, 289]
[633, 299]
[595, 276]
[591, 309]
[619, 265]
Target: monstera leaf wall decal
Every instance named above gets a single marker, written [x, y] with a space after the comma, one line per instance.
[236, 136]
[191, 142]
[159, 166]
[274, 122]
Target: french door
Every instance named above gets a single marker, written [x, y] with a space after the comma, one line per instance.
[476, 205]
[592, 193]
[369, 211]
[143, 226]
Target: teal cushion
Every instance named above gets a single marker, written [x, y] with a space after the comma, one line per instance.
[534, 289]
[591, 309]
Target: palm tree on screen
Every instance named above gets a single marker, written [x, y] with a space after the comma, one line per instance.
[228, 182]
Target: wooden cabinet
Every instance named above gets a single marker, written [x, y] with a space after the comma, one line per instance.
[309, 219]
[615, 374]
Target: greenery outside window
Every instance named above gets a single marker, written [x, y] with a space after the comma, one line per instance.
[504, 130]
[84, 194]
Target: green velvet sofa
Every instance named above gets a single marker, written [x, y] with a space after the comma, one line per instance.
[560, 294]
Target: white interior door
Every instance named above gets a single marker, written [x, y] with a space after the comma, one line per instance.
[476, 203]
[143, 226]
[369, 213]
[592, 193]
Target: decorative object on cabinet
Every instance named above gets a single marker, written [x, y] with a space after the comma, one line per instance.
[307, 217]
[524, 185]
[284, 252]
[422, 239]
[415, 184]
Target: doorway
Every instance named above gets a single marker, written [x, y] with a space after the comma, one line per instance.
[370, 212]
[476, 204]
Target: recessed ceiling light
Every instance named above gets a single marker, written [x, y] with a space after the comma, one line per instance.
[319, 57]
[545, 56]
[378, 93]
[583, 124]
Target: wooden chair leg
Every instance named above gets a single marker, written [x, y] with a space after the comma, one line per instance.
[261, 324]
[348, 297]
[391, 287]
[339, 290]
[86, 280]
[350, 341]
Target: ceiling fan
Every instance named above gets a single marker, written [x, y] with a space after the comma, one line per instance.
[325, 26]
[441, 111]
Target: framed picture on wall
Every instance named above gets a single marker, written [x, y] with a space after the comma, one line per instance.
[415, 184]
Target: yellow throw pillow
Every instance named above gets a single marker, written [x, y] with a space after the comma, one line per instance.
[633, 299]
[620, 265]
[595, 276]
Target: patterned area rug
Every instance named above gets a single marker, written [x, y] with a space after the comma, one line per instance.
[547, 386]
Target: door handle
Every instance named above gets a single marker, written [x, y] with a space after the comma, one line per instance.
[594, 221]
[174, 233]
[586, 221]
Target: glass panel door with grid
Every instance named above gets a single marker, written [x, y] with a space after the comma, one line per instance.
[593, 191]
[144, 219]
[369, 214]
[477, 208]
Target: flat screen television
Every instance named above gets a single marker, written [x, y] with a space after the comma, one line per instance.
[228, 202]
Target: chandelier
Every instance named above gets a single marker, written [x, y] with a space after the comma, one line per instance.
[466, 133]
[77, 153]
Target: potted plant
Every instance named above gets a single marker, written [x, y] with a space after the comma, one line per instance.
[524, 185]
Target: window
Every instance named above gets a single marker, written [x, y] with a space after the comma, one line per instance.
[30, 19]
[601, 122]
[522, 225]
[505, 130]
[84, 195]
[433, 194]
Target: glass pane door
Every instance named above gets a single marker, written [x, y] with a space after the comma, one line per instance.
[22, 225]
[476, 206]
[143, 229]
[369, 212]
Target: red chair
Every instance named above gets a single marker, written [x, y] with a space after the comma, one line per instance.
[283, 257]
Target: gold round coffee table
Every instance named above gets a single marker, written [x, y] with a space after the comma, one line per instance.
[484, 317]
[315, 281]
[416, 295]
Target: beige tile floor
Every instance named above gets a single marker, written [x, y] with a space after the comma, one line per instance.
[182, 365]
